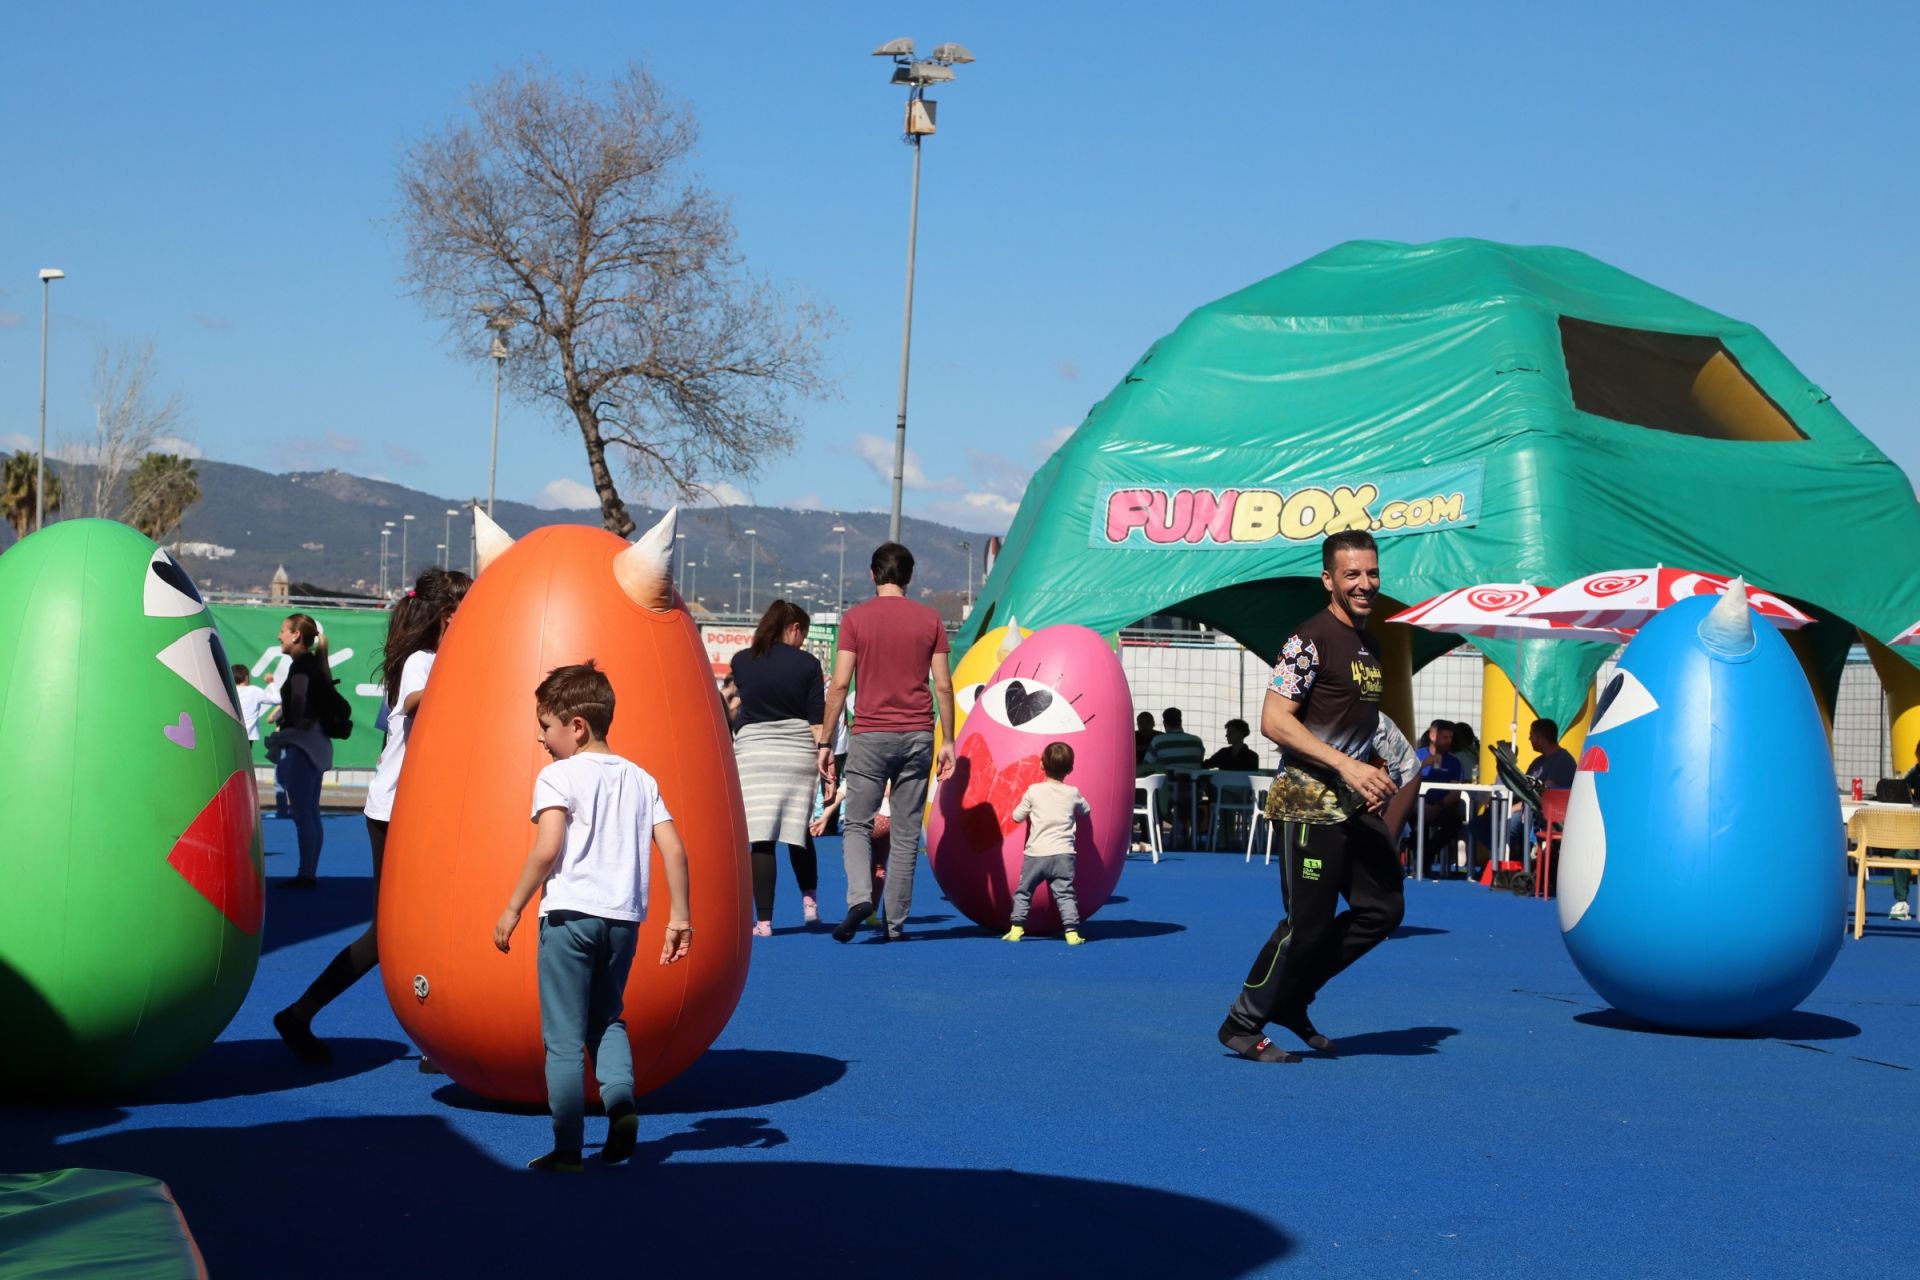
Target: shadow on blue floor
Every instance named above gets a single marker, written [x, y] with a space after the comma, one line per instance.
[722, 1080]
[408, 1195]
[1795, 1025]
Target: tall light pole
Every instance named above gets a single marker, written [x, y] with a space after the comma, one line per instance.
[736, 593]
[966, 549]
[753, 556]
[441, 558]
[446, 548]
[47, 276]
[840, 595]
[499, 320]
[916, 74]
[406, 524]
[386, 531]
[680, 550]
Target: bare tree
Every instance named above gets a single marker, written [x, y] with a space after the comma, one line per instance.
[570, 210]
[130, 421]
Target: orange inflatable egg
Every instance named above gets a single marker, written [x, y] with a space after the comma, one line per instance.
[461, 824]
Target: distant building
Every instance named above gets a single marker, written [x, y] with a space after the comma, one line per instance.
[277, 589]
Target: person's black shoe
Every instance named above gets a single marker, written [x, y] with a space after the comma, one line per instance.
[844, 931]
[623, 1133]
[306, 1046]
[297, 882]
[1296, 1021]
[1253, 1046]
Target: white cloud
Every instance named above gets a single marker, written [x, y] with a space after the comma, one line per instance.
[878, 454]
[1049, 445]
[807, 502]
[15, 440]
[566, 495]
[177, 446]
[722, 494]
[973, 511]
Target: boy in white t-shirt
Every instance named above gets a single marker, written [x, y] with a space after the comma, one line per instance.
[1052, 811]
[596, 816]
[254, 701]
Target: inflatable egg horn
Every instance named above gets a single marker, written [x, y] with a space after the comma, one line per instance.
[1728, 630]
[644, 570]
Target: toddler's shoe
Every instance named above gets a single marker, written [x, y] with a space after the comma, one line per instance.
[763, 928]
[557, 1162]
[1073, 938]
[809, 909]
[1014, 934]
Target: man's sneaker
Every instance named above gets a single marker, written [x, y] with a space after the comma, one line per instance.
[844, 931]
[1253, 1046]
[1900, 912]
[556, 1162]
[1296, 1021]
[763, 928]
[1073, 938]
[809, 909]
[623, 1132]
[1014, 934]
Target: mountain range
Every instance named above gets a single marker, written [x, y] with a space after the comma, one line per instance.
[324, 528]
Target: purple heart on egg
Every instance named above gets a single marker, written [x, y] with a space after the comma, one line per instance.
[181, 734]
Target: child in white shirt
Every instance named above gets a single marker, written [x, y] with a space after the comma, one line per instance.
[597, 816]
[1052, 811]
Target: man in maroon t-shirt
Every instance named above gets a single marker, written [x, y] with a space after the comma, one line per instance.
[894, 644]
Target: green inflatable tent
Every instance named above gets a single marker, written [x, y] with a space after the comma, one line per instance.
[1493, 413]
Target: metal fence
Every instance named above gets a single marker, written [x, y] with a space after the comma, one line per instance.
[1213, 680]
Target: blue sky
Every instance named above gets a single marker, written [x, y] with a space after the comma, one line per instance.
[215, 179]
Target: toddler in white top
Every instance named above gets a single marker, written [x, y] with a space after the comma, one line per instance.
[1052, 811]
[597, 816]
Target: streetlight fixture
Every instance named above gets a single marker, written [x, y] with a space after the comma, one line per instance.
[441, 558]
[966, 550]
[680, 552]
[499, 319]
[753, 557]
[736, 593]
[386, 531]
[446, 548]
[916, 74]
[47, 276]
[406, 524]
[840, 595]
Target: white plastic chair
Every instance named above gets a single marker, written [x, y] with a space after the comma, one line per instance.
[1149, 808]
[1232, 793]
[1260, 819]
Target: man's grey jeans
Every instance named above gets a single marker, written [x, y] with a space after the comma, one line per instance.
[874, 760]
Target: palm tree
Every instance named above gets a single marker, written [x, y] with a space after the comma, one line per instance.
[17, 491]
[160, 492]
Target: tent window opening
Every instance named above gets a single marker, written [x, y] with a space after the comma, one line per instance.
[1674, 382]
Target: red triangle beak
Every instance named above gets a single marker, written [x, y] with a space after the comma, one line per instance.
[215, 855]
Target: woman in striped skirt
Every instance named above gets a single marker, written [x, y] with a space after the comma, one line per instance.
[777, 742]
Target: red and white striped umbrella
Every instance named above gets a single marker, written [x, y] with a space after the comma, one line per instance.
[1490, 611]
[1627, 599]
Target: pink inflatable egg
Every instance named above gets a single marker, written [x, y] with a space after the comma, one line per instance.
[1061, 684]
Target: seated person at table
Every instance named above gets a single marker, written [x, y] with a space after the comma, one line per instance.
[1176, 749]
[1902, 878]
[1143, 736]
[1466, 749]
[1236, 756]
[1443, 808]
[1553, 770]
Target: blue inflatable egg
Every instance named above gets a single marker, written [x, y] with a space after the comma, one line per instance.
[1703, 869]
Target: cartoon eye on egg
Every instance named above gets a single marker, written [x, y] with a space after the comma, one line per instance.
[1026, 703]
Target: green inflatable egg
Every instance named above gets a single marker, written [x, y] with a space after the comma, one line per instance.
[130, 867]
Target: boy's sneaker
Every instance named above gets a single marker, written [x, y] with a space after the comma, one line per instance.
[809, 909]
[557, 1162]
[1073, 938]
[1900, 912]
[1296, 1021]
[623, 1132]
[1014, 934]
[763, 928]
